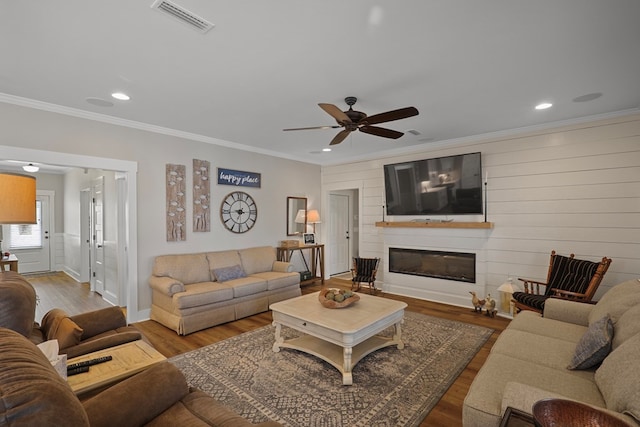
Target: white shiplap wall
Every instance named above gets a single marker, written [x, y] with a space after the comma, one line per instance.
[575, 189]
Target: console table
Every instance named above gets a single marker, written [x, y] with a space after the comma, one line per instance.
[316, 258]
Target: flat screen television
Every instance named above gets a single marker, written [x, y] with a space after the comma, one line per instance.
[449, 185]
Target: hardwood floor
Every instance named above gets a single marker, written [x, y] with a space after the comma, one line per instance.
[448, 411]
[58, 290]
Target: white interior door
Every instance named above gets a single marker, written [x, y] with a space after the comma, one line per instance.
[97, 231]
[339, 234]
[31, 242]
[86, 245]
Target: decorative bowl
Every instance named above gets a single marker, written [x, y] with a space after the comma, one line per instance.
[568, 413]
[327, 298]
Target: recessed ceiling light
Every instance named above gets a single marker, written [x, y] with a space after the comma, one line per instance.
[326, 149]
[544, 106]
[31, 168]
[121, 96]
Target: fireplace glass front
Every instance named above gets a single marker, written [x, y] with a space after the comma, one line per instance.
[459, 266]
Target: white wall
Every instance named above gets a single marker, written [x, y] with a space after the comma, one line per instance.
[40, 130]
[574, 189]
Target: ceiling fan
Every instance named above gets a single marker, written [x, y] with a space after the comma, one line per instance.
[352, 120]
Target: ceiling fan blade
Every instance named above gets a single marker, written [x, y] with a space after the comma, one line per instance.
[385, 133]
[390, 116]
[340, 137]
[335, 112]
[315, 127]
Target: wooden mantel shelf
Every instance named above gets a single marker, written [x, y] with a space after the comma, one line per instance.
[416, 224]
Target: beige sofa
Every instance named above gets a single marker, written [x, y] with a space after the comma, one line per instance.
[196, 291]
[530, 359]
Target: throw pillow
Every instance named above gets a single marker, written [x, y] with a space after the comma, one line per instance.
[58, 326]
[228, 273]
[594, 345]
[618, 378]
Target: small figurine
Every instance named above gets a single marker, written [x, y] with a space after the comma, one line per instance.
[477, 303]
[490, 306]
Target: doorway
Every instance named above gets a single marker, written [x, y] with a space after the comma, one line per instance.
[127, 251]
[31, 243]
[343, 238]
[339, 233]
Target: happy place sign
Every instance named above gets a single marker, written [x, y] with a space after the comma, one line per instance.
[238, 178]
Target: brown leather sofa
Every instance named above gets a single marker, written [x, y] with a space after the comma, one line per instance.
[32, 393]
[76, 335]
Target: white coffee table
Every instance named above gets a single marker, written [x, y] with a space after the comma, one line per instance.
[342, 337]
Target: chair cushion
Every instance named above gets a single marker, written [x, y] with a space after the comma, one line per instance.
[618, 378]
[17, 303]
[258, 260]
[187, 268]
[531, 300]
[571, 274]
[365, 266]
[594, 345]
[627, 326]
[32, 392]
[58, 326]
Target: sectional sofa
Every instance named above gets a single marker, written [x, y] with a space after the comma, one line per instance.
[191, 292]
[530, 360]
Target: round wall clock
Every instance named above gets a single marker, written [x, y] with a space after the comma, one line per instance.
[238, 212]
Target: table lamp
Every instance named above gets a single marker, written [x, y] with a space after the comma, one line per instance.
[17, 200]
[506, 291]
[313, 217]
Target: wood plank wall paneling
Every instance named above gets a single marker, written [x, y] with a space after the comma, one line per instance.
[575, 189]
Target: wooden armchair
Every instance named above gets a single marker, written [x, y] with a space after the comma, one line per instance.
[364, 271]
[567, 278]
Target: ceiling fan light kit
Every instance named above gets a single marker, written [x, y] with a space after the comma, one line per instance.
[352, 120]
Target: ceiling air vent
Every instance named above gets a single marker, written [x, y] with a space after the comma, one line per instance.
[183, 15]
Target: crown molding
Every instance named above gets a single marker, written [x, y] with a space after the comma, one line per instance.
[104, 118]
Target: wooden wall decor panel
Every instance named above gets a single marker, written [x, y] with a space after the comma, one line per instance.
[201, 196]
[176, 230]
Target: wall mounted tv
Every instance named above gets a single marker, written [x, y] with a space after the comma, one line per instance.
[440, 186]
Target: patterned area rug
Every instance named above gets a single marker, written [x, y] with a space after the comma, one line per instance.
[391, 387]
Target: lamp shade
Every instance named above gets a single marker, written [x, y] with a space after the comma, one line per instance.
[506, 287]
[301, 217]
[17, 199]
[313, 217]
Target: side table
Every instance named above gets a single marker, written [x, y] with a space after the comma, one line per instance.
[11, 261]
[516, 418]
[127, 359]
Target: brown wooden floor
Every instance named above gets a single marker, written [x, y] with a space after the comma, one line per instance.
[59, 290]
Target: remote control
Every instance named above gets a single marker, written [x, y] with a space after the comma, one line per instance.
[88, 363]
[78, 370]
